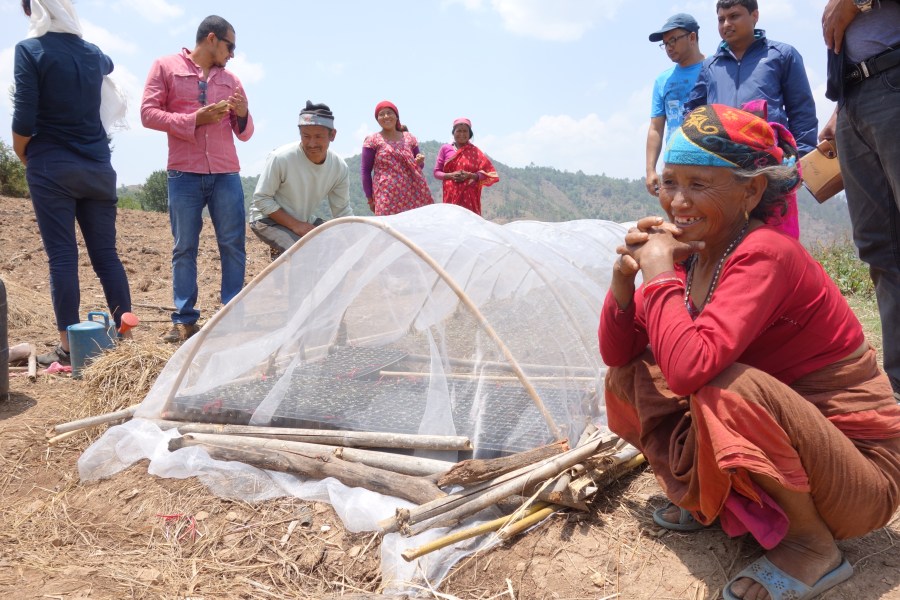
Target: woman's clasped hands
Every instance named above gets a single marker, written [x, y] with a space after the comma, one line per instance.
[653, 240]
[652, 247]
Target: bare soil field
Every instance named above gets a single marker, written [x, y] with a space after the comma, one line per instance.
[139, 536]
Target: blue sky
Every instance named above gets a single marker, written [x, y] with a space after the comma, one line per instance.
[563, 84]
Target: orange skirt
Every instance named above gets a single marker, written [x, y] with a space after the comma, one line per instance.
[834, 433]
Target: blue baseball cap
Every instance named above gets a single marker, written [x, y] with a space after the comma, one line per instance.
[679, 21]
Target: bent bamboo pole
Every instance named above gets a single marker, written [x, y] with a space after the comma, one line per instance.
[331, 437]
[125, 413]
[398, 463]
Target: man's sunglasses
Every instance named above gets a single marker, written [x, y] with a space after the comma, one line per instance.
[202, 97]
[229, 45]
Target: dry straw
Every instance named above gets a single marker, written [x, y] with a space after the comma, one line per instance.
[119, 378]
[26, 307]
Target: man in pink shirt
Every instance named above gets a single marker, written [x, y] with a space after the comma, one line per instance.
[201, 107]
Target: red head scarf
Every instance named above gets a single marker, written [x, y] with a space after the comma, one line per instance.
[390, 105]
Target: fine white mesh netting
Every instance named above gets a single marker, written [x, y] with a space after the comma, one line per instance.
[433, 321]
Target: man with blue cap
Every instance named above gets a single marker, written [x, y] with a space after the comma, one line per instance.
[679, 38]
[295, 181]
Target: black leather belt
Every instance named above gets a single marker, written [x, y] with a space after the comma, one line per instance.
[869, 68]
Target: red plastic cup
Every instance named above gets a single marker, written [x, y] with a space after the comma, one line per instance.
[128, 321]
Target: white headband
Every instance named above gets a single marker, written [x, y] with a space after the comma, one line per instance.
[314, 119]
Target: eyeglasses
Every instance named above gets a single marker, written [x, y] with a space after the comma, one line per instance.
[228, 44]
[202, 97]
[673, 40]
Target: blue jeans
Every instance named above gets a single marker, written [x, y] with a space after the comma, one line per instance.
[223, 195]
[870, 163]
[67, 188]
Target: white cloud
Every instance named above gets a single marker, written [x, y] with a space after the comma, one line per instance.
[110, 43]
[778, 10]
[613, 145]
[247, 72]
[467, 4]
[560, 21]
[7, 58]
[155, 11]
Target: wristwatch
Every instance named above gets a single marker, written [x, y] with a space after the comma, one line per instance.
[863, 5]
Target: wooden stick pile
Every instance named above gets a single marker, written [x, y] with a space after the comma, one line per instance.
[543, 480]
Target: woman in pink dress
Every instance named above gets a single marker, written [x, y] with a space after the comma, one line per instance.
[391, 166]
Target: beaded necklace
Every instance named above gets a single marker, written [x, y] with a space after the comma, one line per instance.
[715, 280]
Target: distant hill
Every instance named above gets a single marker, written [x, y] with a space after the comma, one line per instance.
[547, 194]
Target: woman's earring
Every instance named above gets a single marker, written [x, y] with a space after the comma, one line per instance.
[746, 216]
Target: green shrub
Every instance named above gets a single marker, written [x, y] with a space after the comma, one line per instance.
[154, 194]
[843, 266]
[12, 173]
[129, 201]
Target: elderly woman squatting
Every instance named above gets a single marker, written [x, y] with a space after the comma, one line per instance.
[740, 371]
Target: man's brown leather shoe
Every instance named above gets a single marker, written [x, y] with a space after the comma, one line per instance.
[180, 332]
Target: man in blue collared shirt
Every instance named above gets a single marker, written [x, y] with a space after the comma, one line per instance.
[748, 66]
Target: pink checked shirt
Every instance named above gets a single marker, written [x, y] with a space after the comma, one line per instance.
[171, 97]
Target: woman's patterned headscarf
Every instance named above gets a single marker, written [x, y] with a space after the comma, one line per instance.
[716, 135]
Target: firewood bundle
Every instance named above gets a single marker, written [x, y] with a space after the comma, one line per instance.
[541, 481]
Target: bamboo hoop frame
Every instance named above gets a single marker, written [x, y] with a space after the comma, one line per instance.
[502, 366]
[468, 376]
[418, 251]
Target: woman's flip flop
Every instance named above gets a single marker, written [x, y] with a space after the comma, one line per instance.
[686, 521]
[782, 586]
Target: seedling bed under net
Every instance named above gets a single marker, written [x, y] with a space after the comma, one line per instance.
[344, 392]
